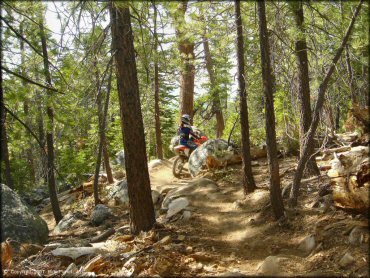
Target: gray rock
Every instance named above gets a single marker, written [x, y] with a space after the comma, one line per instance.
[119, 190]
[307, 244]
[35, 197]
[346, 260]
[186, 215]
[176, 206]
[155, 196]
[198, 188]
[357, 235]
[155, 163]
[198, 157]
[19, 221]
[120, 158]
[99, 214]
[67, 221]
[270, 266]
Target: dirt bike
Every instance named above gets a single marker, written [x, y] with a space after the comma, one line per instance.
[183, 154]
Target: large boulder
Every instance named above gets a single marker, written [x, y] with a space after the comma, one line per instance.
[119, 191]
[198, 158]
[35, 197]
[120, 158]
[67, 222]
[20, 222]
[99, 214]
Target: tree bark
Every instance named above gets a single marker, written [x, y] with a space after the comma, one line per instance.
[4, 158]
[49, 133]
[108, 169]
[29, 154]
[102, 115]
[309, 138]
[220, 123]
[248, 180]
[268, 88]
[4, 152]
[142, 217]
[157, 111]
[350, 74]
[186, 49]
[304, 85]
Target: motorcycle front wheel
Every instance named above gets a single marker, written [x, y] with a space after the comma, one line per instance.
[177, 167]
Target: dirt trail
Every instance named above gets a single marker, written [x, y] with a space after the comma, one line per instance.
[240, 232]
[233, 233]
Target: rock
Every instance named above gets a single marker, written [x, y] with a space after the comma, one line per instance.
[120, 158]
[155, 196]
[189, 249]
[346, 260]
[198, 158]
[357, 235]
[75, 252]
[186, 215]
[198, 187]
[154, 163]
[20, 222]
[99, 214]
[119, 191]
[176, 206]
[270, 266]
[307, 244]
[35, 197]
[164, 241]
[67, 221]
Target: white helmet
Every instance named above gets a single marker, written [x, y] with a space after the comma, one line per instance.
[185, 119]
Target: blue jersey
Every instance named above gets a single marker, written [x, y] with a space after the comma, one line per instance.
[184, 132]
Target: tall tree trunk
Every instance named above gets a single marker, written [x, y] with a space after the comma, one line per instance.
[4, 154]
[350, 74]
[29, 154]
[49, 131]
[304, 85]
[108, 169]
[41, 172]
[268, 88]
[142, 217]
[337, 117]
[157, 111]
[216, 102]
[309, 138]
[102, 115]
[186, 49]
[248, 180]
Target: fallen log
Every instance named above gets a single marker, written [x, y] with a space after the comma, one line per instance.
[103, 236]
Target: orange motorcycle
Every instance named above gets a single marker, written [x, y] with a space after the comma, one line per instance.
[183, 154]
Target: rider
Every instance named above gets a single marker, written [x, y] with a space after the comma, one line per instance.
[185, 131]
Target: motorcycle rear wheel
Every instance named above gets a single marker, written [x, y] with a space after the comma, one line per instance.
[177, 167]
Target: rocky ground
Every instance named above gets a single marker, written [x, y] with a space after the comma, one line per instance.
[205, 227]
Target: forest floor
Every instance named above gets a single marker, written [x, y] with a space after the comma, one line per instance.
[227, 234]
